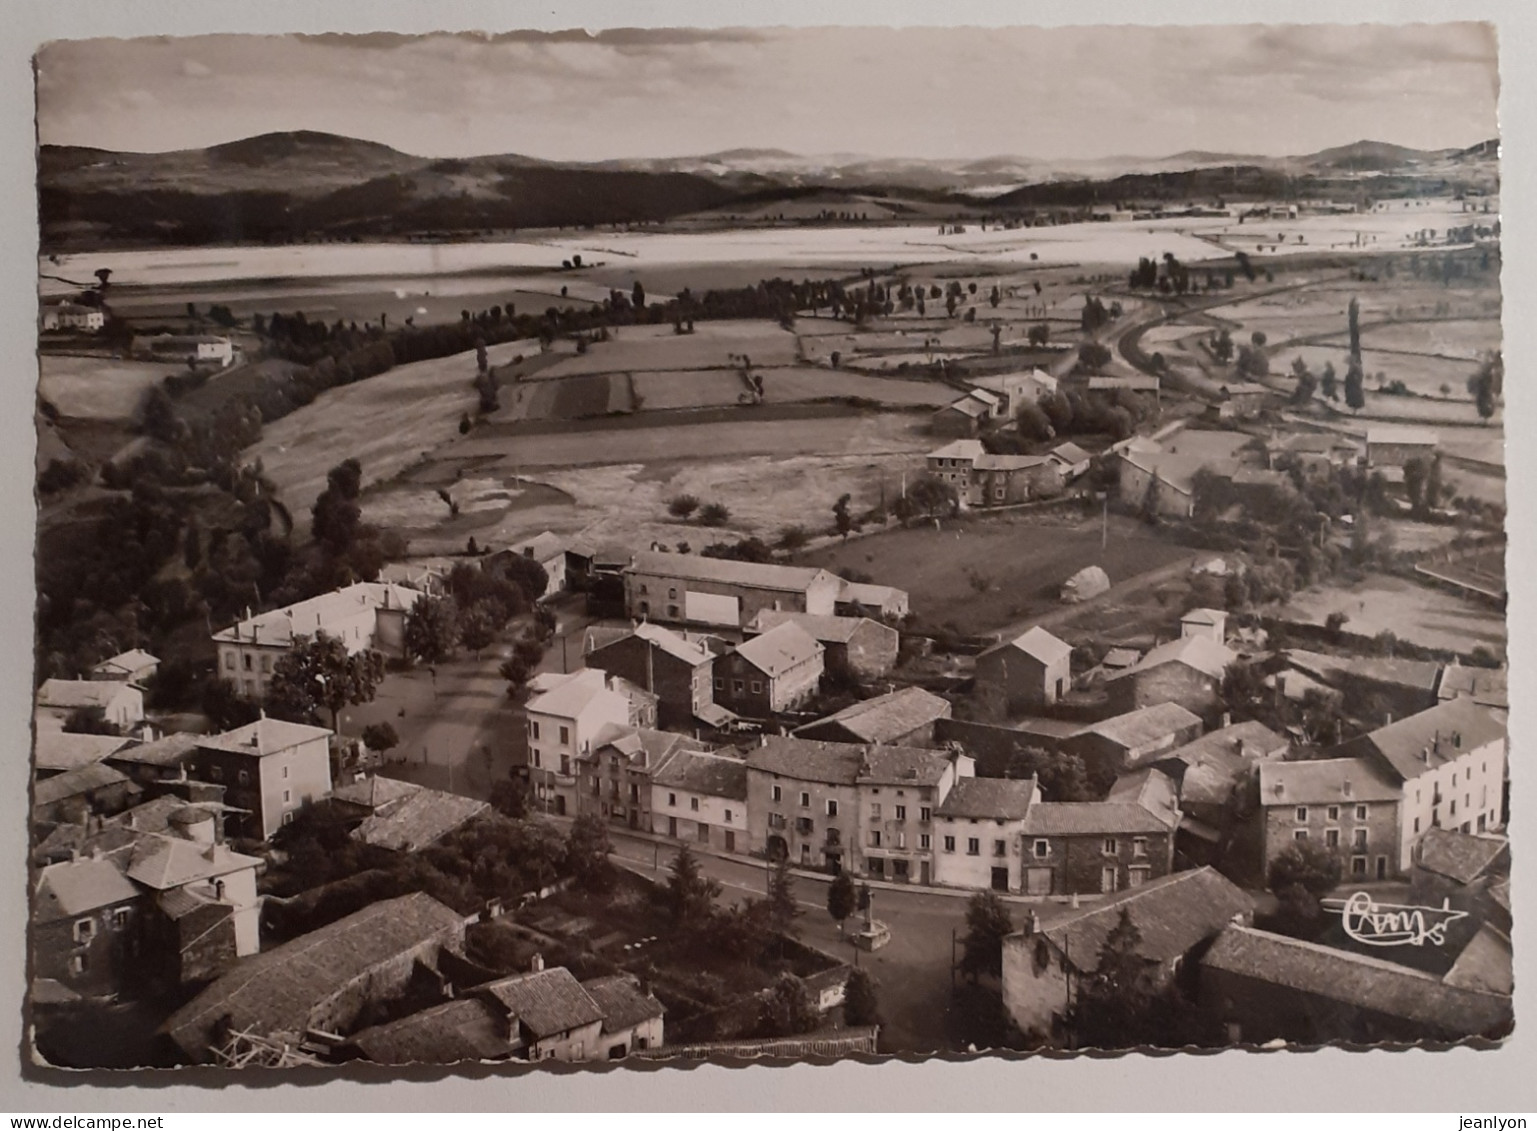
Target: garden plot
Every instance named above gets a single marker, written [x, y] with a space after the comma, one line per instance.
[1409, 610]
[699, 388]
[98, 388]
[804, 384]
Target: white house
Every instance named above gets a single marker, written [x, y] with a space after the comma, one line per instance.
[72, 316]
[701, 797]
[565, 716]
[979, 831]
[134, 666]
[120, 704]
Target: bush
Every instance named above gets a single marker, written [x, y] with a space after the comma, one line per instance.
[681, 506]
[714, 514]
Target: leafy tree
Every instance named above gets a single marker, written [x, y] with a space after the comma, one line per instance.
[782, 909]
[587, 850]
[638, 296]
[1033, 422]
[380, 737]
[841, 898]
[531, 578]
[788, 1009]
[509, 797]
[1486, 384]
[690, 894]
[516, 671]
[432, 629]
[225, 707]
[1222, 346]
[318, 675]
[987, 925]
[1093, 355]
[714, 514]
[792, 538]
[1300, 876]
[860, 1004]
[88, 720]
[927, 495]
[681, 506]
[1115, 1007]
[336, 514]
[476, 629]
[1355, 386]
[1328, 383]
[842, 520]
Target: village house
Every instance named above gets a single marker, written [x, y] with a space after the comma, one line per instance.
[1488, 687]
[135, 666]
[1172, 464]
[547, 549]
[1025, 386]
[1132, 383]
[1348, 805]
[1315, 452]
[1071, 459]
[904, 717]
[1187, 671]
[1244, 400]
[1389, 445]
[57, 751]
[967, 415]
[1111, 745]
[614, 780]
[776, 671]
[84, 926]
[402, 816]
[111, 701]
[1210, 623]
[1045, 965]
[67, 316]
[75, 795]
[425, 575]
[164, 759]
[366, 616]
[842, 806]
[1262, 986]
[862, 599]
[982, 479]
[979, 829]
[196, 348]
[692, 588]
[323, 980]
[676, 670]
[701, 796]
[1404, 686]
[854, 647]
[565, 716]
[1451, 761]
[1465, 872]
[1085, 847]
[1031, 671]
[270, 769]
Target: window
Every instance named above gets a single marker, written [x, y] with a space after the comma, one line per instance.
[1139, 846]
[643, 588]
[693, 803]
[728, 816]
[875, 811]
[1358, 866]
[1416, 826]
[288, 818]
[1000, 848]
[805, 800]
[672, 592]
[672, 800]
[775, 793]
[949, 844]
[925, 843]
[757, 687]
[79, 963]
[720, 684]
[737, 686]
[1041, 849]
[1334, 812]
[901, 812]
[285, 771]
[1454, 781]
[1332, 838]
[776, 821]
[1360, 812]
[120, 918]
[973, 846]
[565, 736]
[245, 778]
[704, 833]
[533, 728]
[1300, 834]
[1302, 812]
[216, 772]
[247, 658]
[832, 808]
[1360, 838]
[925, 813]
[267, 663]
[536, 759]
[875, 838]
[1136, 876]
[288, 797]
[85, 930]
[1111, 847]
[229, 661]
[901, 840]
[565, 765]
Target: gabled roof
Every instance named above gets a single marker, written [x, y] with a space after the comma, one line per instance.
[568, 696]
[278, 627]
[162, 862]
[374, 792]
[864, 593]
[1212, 618]
[623, 1005]
[999, 462]
[423, 818]
[547, 1003]
[75, 887]
[889, 717]
[1355, 980]
[1328, 781]
[1488, 686]
[666, 640]
[1421, 742]
[61, 750]
[277, 990]
[126, 663]
[993, 799]
[1038, 644]
[846, 763]
[1486, 964]
[1462, 857]
[1095, 818]
[1069, 453]
[1137, 727]
[71, 694]
[758, 575]
[467, 1028]
[170, 750]
[710, 775]
[1202, 653]
[1237, 745]
[883, 764]
[1150, 788]
[1421, 675]
[969, 405]
[779, 649]
[540, 548]
[829, 630]
[263, 737]
[73, 783]
[1173, 913]
[642, 747]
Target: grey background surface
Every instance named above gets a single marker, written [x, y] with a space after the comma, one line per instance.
[1461, 1080]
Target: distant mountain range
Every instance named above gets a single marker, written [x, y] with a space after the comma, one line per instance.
[305, 185]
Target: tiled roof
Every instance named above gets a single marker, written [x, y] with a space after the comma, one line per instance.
[1093, 818]
[1421, 675]
[1070, 453]
[1328, 781]
[989, 799]
[421, 819]
[884, 764]
[1489, 686]
[276, 991]
[170, 750]
[61, 750]
[278, 627]
[845, 763]
[622, 1003]
[758, 575]
[643, 747]
[160, 862]
[1244, 740]
[374, 792]
[864, 593]
[70, 694]
[547, 1003]
[1173, 913]
[263, 737]
[1202, 653]
[1150, 788]
[1210, 617]
[829, 630]
[541, 547]
[73, 783]
[1038, 644]
[779, 649]
[1462, 857]
[711, 775]
[969, 405]
[127, 662]
[673, 644]
[467, 1028]
[75, 887]
[568, 696]
[1421, 742]
[889, 717]
[1003, 462]
[1137, 727]
[1355, 980]
[1486, 963]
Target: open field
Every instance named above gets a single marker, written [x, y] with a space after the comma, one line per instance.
[695, 388]
[1423, 374]
[97, 388]
[806, 383]
[1467, 338]
[1410, 611]
[1023, 561]
[638, 348]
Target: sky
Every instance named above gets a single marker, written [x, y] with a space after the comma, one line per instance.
[1067, 93]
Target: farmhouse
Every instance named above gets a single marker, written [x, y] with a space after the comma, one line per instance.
[701, 796]
[1031, 671]
[979, 826]
[1187, 671]
[76, 795]
[71, 316]
[966, 416]
[1393, 445]
[1112, 745]
[1465, 872]
[904, 717]
[1405, 686]
[56, 751]
[1488, 687]
[547, 549]
[202, 911]
[696, 589]
[1264, 986]
[83, 913]
[369, 615]
[1314, 451]
[186, 347]
[769, 673]
[1072, 460]
[1242, 400]
[270, 769]
[614, 779]
[411, 818]
[1348, 805]
[111, 701]
[1026, 386]
[860, 599]
[676, 670]
[1082, 847]
[856, 647]
[982, 479]
[135, 666]
[1046, 963]
[1210, 623]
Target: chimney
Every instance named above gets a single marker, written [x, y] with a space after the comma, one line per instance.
[536, 963]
